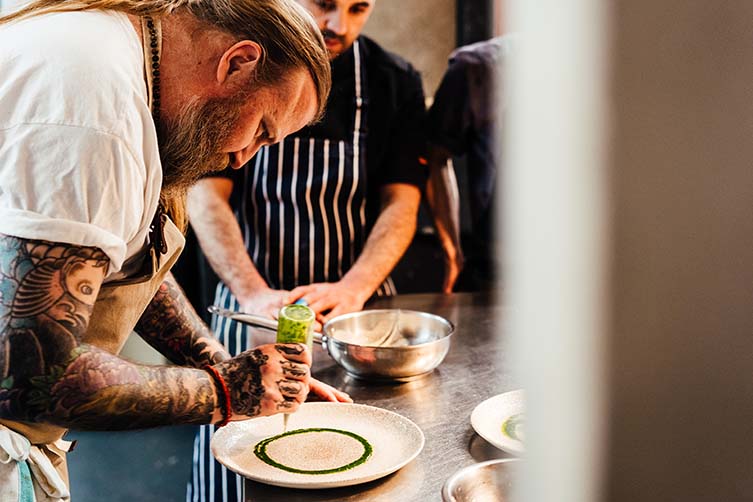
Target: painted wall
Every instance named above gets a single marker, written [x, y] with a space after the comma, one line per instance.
[423, 32]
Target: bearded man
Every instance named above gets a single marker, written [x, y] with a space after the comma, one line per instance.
[109, 110]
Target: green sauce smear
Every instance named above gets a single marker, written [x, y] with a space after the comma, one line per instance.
[510, 426]
[260, 450]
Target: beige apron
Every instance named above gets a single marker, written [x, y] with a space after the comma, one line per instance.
[119, 306]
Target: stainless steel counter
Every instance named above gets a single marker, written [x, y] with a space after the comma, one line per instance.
[441, 403]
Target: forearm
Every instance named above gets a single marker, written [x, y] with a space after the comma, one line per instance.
[171, 325]
[48, 375]
[221, 240]
[443, 198]
[387, 241]
[99, 391]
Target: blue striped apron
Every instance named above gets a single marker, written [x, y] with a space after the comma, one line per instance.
[302, 216]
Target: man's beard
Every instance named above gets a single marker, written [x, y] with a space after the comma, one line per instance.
[190, 145]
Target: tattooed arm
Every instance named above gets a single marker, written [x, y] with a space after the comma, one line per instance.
[47, 373]
[172, 326]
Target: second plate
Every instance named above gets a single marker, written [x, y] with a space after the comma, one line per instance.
[500, 420]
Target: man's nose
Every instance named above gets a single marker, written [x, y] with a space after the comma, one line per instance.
[337, 22]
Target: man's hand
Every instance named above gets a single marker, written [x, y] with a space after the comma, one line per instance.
[329, 299]
[389, 238]
[327, 392]
[269, 379]
[265, 302]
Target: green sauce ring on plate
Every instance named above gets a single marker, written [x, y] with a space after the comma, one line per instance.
[294, 325]
[260, 450]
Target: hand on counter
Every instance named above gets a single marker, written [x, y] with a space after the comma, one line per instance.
[269, 379]
[327, 392]
[329, 299]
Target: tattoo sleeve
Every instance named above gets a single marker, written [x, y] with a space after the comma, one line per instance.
[172, 326]
[47, 374]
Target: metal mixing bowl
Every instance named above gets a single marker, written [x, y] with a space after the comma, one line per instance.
[388, 344]
[489, 481]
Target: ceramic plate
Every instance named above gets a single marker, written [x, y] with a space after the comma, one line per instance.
[394, 441]
[500, 420]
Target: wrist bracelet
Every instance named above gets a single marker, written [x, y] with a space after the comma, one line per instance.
[224, 399]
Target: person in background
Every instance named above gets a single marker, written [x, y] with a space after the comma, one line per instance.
[462, 122]
[108, 112]
[324, 215]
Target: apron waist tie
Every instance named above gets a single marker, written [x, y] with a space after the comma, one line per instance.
[15, 447]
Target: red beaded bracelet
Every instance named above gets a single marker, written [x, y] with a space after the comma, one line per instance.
[224, 400]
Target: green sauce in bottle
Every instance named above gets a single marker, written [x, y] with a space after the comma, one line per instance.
[295, 325]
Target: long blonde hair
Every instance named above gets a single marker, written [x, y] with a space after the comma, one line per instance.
[286, 32]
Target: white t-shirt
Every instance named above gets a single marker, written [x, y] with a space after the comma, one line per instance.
[79, 162]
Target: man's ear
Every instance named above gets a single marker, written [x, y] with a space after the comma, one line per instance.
[238, 63]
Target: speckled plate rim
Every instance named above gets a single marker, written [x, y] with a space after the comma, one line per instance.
[386, 424]
[489, 415]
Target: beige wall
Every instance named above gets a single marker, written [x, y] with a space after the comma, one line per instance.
[682, 344]
[421, 31]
